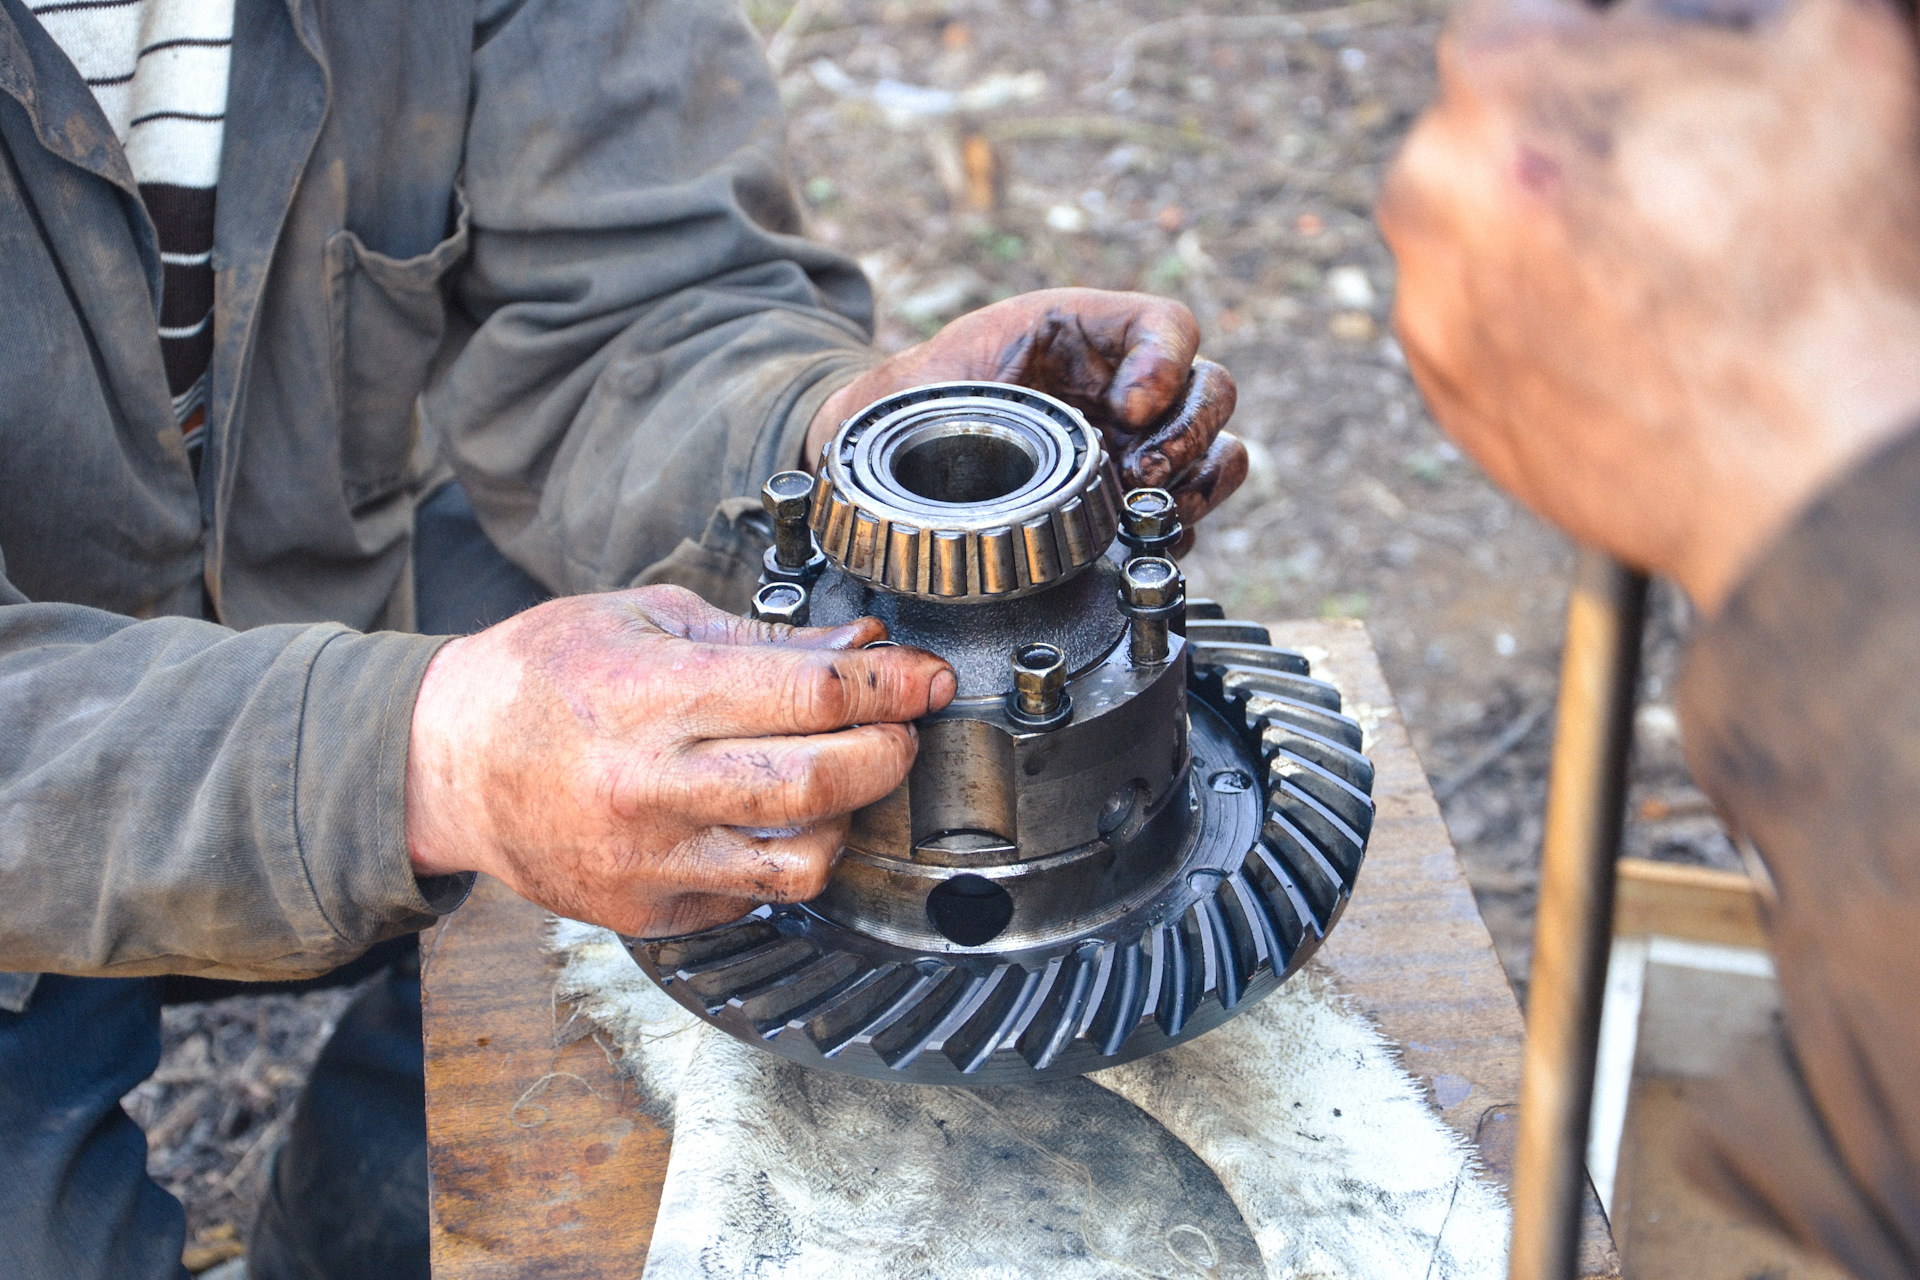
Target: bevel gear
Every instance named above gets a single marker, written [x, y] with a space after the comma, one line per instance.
[1135, 819]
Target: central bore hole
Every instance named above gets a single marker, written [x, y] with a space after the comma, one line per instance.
[963, 468]
[969, 910]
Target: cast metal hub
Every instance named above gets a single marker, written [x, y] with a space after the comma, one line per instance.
[1135, 819]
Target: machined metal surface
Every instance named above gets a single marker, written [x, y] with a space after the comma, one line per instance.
[1134, 819]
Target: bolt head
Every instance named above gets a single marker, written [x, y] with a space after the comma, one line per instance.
[781, 602]
[1039, 676]
[788, 495]
[1149, 513]
[1151, 581]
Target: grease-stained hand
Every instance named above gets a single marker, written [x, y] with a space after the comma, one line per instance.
[644, 761]
[1660, 262]
[1128, 361]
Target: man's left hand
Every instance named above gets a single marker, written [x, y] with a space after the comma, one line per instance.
[1128, 361]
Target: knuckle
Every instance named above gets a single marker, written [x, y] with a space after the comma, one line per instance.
[819, 691]
[806, 787]
[799, 873]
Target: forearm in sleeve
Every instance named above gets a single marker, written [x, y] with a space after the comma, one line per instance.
[1802, 718]
[176, 797]
[642, 335]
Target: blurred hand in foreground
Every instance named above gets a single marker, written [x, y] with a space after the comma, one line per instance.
[644, 761]
[1125, 360]
[1660, 274]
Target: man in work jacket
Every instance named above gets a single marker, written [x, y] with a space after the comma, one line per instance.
[1659, 272]
[548, 248]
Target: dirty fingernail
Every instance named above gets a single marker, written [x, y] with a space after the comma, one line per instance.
[1152, 466]
[942, 689]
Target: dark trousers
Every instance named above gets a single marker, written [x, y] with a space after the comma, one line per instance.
[348, 1196]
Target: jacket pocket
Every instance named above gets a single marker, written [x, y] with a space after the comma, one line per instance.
[387, 317]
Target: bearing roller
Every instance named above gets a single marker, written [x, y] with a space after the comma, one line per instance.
[965, 491]
[1135, 819]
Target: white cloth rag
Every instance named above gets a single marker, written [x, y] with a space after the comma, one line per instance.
[1287, 1144]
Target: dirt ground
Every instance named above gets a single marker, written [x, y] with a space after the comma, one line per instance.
[1227, 153]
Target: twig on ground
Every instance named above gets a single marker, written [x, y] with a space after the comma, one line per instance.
[264, 1144]
[1101, 129]
[1258, 26]
[1510, 737]
[780, 44]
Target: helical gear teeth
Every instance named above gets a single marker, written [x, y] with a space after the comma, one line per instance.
[792, 997]
[1348, 765]
[1339, 843]
[1261, 918]
[1062, 1010]
[719, 986]
[1288, 912]
[1183, 965]
[684, 957]
[1203, 631]
[1234, 952]
[903, 1039]
[1211, 653]
[1340, 798]
[865, 1006]
[1303, 715]
[1124, 1001]
[1012, 992]
[1280, 684]
[1316, 878]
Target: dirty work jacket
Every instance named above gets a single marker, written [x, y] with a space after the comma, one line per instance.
[560, 226]
[1802, 718]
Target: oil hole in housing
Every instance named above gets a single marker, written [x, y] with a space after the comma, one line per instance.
[969, 910]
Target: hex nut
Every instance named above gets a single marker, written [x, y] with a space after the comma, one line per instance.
[1151, 582]
[1039, 677]
[781, 602]
[1149, 513]
[788, 498]
[788, 495]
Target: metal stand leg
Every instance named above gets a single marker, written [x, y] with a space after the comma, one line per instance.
[1585, 800]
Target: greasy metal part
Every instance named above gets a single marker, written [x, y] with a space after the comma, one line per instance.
[1586, 797]
[788, 498]
[781, 602]
[965, 491]
[1152, 593]
[1112, 839]
[1039, 698]
[1149, 521]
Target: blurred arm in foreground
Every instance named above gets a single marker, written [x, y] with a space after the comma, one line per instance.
[1660, 274]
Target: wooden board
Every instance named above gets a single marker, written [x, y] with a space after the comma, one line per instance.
[1699, 904]
[570, 1191]
[541, 1165]
[1412, 949]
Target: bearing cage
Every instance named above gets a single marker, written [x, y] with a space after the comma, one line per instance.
[1052, 524]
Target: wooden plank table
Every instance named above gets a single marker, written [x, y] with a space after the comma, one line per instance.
[543, 1165]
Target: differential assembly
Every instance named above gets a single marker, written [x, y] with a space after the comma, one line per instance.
[1134, 819]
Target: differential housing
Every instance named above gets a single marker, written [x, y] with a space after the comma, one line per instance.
[1134, 819]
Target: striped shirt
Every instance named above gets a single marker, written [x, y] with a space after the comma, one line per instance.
[159, 71]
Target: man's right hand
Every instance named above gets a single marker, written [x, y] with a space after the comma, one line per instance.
[1660, 262]
[647, 762]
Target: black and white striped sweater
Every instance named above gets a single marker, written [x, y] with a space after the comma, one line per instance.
[159, 71]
